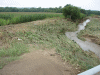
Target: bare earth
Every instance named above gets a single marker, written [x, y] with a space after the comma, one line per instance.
[39, 62]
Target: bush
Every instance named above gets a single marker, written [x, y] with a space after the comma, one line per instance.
[82, 15]
[71, 12]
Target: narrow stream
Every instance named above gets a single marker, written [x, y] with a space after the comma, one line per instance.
[85, 45]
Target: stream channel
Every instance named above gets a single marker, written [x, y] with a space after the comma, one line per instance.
[85, 45]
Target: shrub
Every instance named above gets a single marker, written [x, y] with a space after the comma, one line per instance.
[72, 12]
[82, 15]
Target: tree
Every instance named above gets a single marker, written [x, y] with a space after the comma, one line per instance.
[71, 12]
[83, 11]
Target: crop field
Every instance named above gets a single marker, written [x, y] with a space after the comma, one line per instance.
[7, 18]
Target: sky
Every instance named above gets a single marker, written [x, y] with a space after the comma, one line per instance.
[84, 4]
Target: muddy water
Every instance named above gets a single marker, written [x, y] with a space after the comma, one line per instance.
[85, 45]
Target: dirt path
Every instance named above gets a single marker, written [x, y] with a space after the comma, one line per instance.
[39, 62]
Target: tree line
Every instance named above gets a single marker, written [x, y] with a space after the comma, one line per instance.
[33, 9]
[39, 9]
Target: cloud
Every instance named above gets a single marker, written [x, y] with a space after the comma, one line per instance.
[9, 3]
[85, 4]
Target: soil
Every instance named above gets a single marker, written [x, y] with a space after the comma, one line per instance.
[92, 38]
[39, 62]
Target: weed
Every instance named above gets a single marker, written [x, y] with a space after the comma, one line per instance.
[16, 49]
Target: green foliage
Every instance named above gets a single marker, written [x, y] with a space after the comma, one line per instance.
[82, 16]
[21, 18]
[13, 9]
[56, 9]
[83, 11]
[89, 12]
[92, 15]
[2, 22]
[71, 11]
[6, 16]
[27, 18]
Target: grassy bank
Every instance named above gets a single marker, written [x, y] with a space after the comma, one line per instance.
[92, 31]
[48, 34]
[53, 36]
[21, 17]
[12, 52]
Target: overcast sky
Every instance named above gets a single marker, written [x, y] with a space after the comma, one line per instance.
[85, 4]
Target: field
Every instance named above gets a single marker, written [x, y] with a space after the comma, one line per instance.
[42, 34]
[21, 17]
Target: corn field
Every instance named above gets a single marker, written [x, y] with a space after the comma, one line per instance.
[15, 18]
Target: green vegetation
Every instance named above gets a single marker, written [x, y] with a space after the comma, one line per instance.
[16, 49]
[72, 12]
[91, 31]
[12, 53]
[6, 16]
[15, 18]
[39, 9]
[13, 9]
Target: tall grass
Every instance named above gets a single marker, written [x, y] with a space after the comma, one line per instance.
[11, 18]
[27, 18]
[6, 16]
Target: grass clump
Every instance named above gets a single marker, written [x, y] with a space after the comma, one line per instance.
[16, 49]
[12, 53]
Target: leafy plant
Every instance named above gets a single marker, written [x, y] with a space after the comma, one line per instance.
[72, 12]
